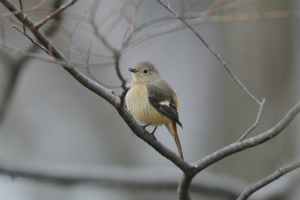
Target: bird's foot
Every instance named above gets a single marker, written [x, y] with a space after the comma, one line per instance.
[145, 131]
[153, 133]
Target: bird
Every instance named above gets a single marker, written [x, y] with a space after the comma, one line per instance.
[152, 101]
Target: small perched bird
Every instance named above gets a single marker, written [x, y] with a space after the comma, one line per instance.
[152, 101]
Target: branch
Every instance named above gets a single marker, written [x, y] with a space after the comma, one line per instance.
[31, 39]
[260, 184]
[55, 13]
[25, 10]
[255, 123]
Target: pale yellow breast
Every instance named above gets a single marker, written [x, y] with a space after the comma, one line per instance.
[141, 109]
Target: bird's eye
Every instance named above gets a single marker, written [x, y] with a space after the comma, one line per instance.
[145, 71]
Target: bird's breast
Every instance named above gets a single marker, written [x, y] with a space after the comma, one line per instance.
[140, 107]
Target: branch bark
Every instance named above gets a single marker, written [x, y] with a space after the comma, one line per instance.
[260, 184]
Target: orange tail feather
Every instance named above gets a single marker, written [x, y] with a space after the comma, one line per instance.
[177, 141]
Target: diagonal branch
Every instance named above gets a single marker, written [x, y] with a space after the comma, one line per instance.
[55, 13]
[25, 10]
[255, 123]
[269, 179]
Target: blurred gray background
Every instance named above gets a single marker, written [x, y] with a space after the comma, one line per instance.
[52, 118]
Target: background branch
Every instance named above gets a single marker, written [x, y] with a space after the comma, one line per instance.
[15, 67]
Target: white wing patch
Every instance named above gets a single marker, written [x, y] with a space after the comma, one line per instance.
[165, 103]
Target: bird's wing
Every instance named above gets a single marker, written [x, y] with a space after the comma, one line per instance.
[164, 100]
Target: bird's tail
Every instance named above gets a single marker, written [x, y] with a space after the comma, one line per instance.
[177, 141]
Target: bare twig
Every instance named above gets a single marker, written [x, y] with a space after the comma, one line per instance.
[31, 39]
[189, 7]
[276, 175]
[131, 21]
[25, 10]
[255, 123]
[88, 66]
[24, 29]
[2, 32]
[253, 16]
[55, 13]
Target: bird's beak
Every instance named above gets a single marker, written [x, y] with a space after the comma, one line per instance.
[132, 70]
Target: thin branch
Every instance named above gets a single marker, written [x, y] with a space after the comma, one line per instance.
[24, 29]
[131, 21]
[30, 54]
[113, 25]
[2, 32]
[71, 33]
[96, 29]
[87, 65]
[214, 53]
[189, 7]
[269, 179]
[31, 39]
[253, 16]
[52, 60]
[55, 13]
[255, 123]
[25, 10]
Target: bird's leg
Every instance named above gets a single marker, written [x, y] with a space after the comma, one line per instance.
[144, 127]
[154, 132]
